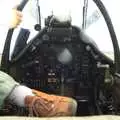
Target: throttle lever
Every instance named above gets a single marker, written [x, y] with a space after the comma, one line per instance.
[22, 5]
[5, 63]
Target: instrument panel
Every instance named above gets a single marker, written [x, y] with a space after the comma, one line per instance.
[62, 63]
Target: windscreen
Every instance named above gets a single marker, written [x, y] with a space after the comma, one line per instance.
[95, 24]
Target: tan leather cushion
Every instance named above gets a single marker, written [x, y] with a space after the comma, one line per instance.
[109, 117]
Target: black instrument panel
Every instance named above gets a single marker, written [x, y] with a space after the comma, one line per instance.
[40, 67]
[61, 64]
